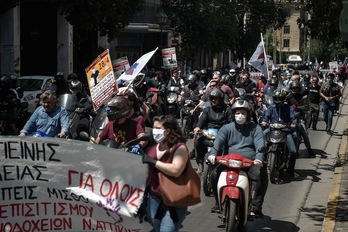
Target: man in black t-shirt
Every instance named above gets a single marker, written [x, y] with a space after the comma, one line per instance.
[314, 102]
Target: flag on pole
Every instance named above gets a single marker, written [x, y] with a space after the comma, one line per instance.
[135, 69]
[316, 64]
[259, 59]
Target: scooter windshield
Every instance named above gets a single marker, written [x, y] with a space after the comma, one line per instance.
[68, 101]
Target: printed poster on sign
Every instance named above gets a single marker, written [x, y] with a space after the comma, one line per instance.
[101, 79]
[120, 65]
[333, 66]
[50, 184]
[169, 58]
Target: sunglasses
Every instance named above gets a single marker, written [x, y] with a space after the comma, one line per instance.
[213, 98]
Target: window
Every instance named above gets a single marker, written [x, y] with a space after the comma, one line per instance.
[286, 29]
[287, 13]
[286, 43]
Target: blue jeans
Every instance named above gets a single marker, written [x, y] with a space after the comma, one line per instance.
[166, 224]
[291, 141]
[328, 110]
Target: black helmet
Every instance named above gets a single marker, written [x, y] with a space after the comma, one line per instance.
[274, 82]
[295, 85]
[118, 107]
[279, 96]
[75, 85]
[59, 76]
[72, 77]
[197, 73]
[225, 78]
[6, 81]
[217, 93]
[306, 77]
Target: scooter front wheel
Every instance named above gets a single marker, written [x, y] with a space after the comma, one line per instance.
[273, 172]
[207, 188]
[233, 220]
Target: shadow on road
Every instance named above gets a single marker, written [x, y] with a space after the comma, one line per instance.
[267, 224]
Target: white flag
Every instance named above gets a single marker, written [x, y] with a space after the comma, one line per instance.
[135, 69]
[258, 59]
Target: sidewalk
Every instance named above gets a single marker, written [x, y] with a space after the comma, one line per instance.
[336, 217]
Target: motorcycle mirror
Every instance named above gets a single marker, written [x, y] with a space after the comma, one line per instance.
[263, 149]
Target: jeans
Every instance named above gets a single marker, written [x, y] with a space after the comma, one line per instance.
[328, 110]
[166, 224]
[258, 175]
[291, 143]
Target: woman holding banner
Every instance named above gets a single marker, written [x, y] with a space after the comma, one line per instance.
[170, 142]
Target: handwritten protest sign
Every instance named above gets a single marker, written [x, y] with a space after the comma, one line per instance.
[169, 58]
[49, 184]
[101, 79]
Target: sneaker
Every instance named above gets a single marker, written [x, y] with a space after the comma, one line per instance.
[256, 212]
[329, 132]
[200, 168]
[215, 208]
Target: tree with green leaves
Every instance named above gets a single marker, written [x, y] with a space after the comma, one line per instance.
[109, 17]
[221, 25]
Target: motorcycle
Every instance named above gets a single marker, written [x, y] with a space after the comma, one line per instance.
[4, 130]
[235, 190]
[152, 100]
[69, 103]
[278, 153]
[210, 134]
[172, 98]
[188, 119]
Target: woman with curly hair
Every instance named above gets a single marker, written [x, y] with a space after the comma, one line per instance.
[170, 142]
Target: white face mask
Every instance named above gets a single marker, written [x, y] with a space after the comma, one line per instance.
[158, 134]
[240, 118]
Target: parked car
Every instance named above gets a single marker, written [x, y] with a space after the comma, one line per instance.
[32, 87]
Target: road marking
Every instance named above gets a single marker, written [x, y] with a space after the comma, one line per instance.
[330, 213]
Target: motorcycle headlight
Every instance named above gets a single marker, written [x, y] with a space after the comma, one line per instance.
[28, 97]
[172, 97]
[273, 140]
[234, 163]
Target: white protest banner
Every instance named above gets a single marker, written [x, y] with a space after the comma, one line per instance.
[135, 69]
[51, 184]
[169, 58]
[120, 65]
[101, 79]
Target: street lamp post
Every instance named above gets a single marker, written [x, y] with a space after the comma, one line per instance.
[161, 19]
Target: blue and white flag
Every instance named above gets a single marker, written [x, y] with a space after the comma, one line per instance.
[135, 69]
[258, 59]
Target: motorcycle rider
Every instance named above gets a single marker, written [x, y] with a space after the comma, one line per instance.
[285, 113]
[298, 99]
[157, 82]
[49, 118]
[11, 102]
[60, 84]
[244, 137]
[229, 96]
[120, 128]
[84, 106]
[213, 116]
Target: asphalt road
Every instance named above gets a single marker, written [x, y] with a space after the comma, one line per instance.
[299, 203]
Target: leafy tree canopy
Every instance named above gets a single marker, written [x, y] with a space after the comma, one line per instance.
[109, 17]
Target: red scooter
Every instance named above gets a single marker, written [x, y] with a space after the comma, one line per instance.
[234, 191]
